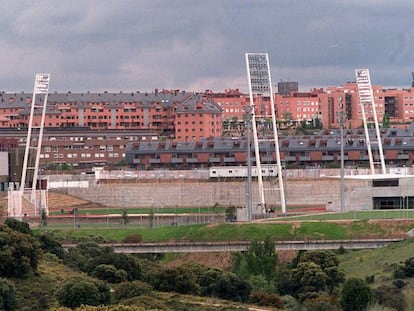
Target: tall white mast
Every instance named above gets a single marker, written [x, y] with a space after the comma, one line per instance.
[34, 138]
[260, 82]
[366, 99]
[255, 66]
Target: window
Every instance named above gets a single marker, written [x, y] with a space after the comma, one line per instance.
[385, 183]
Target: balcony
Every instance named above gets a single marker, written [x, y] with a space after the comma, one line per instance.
[155, 161]
[327, 158]
[403, 156]
[192, 160]
[229, 159]
[176, 160]
[267, 159]
[304, 158]
[214, 160]
[289, 159]
[136, 161]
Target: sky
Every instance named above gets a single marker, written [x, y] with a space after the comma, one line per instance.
[191, 45]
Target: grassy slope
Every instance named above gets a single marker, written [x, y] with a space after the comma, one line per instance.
[239, 232]
[376, 262]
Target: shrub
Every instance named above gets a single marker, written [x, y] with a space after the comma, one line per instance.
[390, 296]
[7, 295]
[321, 303]
[369, 279]
[127, 290]
[266, 299]
[399, 283]
[220, 284]
[308, 280]
[17, 225]
[230, 286]
[356, 295]
[19, 253]
[50, 245]
[289, 302]
[126, 262]
[77, 292]
[408, 267]
[109, 273]
[180, 280]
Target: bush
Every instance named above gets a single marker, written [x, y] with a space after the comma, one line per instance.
[128, 290]
[17, 225]
[77, 292]
[398, 283]
[126, 262]
[180, 280]
[230, 286]
[50, 245]
[19, 253]
[369, 279]
[109, 273]
[321, 303]
[356, 295]
[7, 295]
[390, 296]
[266, 299]
[308, 280]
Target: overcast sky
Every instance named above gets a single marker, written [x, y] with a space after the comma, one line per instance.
[141, 45]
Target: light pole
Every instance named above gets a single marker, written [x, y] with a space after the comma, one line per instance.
[341, 121]
[248, 120]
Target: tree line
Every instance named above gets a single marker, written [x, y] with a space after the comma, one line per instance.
[311, 282]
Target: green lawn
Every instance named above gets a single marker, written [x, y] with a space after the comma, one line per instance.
[360, 215]
[146, 211]
[236, 232]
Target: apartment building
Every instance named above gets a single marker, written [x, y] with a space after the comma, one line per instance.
[155, 111]
[321, 149]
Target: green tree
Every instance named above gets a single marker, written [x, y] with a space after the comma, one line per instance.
[308, 280]
[260, 259]
[17, 225]
[109, 273]
[76, 292]
[231, 286]
[181, 280]
[50, 245]
[126, 262]
[19, 253]
[8, 300]
[356, 295]
[329, 263]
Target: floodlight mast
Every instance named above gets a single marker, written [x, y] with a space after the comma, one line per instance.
[41, 87]
[366, 98]
[276, 141]
[259, 79]
[254, 128]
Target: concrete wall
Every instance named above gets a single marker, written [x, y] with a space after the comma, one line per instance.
[4, 163]
[198, 193]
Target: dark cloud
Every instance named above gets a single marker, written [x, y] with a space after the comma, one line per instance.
[198, 45]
